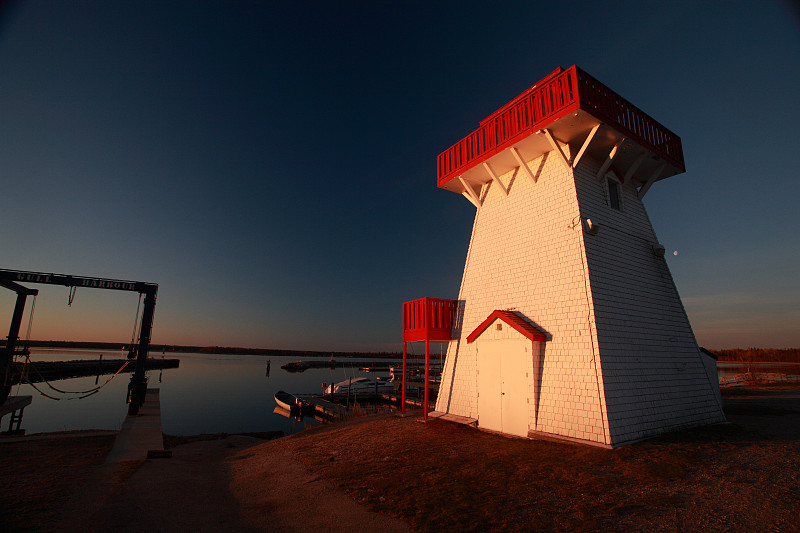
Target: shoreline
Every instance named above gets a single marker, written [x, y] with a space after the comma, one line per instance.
[156, 348]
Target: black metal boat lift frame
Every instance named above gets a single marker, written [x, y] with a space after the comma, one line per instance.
[10, 280]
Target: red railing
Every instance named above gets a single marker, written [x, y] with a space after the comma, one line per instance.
[543, 103]
[558, 94]
[428, 318]
[628, 119]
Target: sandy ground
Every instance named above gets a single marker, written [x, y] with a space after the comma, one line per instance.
[204, 487]
[387, 473]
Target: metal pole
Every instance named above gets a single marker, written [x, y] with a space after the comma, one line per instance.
[403, 380]
[139, 381]
[7, 354]
[16, 322]
[427, 354]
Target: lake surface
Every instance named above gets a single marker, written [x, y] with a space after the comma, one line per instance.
[208, 393]
[731, 368]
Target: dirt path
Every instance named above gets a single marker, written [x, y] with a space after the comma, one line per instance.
[184, 493]
[279, 493]
[223, 485]
[391, 474]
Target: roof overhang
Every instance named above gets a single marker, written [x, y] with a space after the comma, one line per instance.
[566, 108]
[513, 319]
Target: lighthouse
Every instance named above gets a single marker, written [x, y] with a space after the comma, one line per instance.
[568, 322]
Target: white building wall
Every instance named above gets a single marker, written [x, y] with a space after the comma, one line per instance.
[621, 362]
[526, 254]
[653, 372]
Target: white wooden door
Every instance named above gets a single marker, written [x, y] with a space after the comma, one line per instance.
[503, 376]
[490, 405]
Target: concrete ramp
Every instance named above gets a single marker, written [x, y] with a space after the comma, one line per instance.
[140, 436]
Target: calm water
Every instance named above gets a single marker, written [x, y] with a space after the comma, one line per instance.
[726, 368]
[207, 394]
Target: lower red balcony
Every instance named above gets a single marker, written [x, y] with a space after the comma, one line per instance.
[428, 319]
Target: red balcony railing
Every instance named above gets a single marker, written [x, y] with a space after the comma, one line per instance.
[558, 94]
[628, 119]
[428, 318]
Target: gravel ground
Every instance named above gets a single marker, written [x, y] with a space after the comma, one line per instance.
[389, 473]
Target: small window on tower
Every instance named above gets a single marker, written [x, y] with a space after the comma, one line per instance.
[613, 194]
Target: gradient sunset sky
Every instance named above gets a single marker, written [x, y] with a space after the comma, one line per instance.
[271, 165]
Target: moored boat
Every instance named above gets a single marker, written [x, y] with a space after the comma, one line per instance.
[359, 385]
[288, 401]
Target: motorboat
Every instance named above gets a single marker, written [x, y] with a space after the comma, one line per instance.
[359, 385]
[288, 401]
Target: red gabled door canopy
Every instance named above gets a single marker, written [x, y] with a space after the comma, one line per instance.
[512, 319]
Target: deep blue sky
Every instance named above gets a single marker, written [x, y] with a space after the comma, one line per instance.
[271, 165]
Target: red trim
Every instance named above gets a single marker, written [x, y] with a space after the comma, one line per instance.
[428, 319]
[559, 93]
[512, 319]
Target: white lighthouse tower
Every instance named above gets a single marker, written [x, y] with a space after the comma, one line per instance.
[568, 322]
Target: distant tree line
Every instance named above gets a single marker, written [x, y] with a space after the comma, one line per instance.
[290, 353]
[228, 350]
[759, 355]
[751, 355]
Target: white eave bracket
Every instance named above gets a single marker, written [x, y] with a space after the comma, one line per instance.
[653, 177]
[634, 167]
[570, 163]
[469, 193]
[557, 148]
[610, 159]
[522, 164]
[494, 177]
[576, 160]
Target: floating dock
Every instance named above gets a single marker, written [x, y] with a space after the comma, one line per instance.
[38, 371]
[335, 407]
[366, 366]
[323, 407]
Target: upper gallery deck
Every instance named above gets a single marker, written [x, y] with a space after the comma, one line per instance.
[569, 107]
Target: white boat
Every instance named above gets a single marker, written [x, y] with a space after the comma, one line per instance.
[359, 385]
[287, 401]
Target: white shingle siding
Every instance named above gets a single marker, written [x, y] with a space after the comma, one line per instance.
[653, 372]
[621, 362]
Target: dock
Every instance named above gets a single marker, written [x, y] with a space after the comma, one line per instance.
[39, 371]
[16, 406]
[302, 366]
[323, 407]
[329, 407]
[366, 366]
[140, 437]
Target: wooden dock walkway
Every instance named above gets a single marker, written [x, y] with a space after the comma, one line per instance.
[140, 437]
[324, 407]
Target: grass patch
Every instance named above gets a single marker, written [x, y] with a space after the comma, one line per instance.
[440, 475]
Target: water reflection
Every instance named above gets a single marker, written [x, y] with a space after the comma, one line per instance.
[208, 393]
